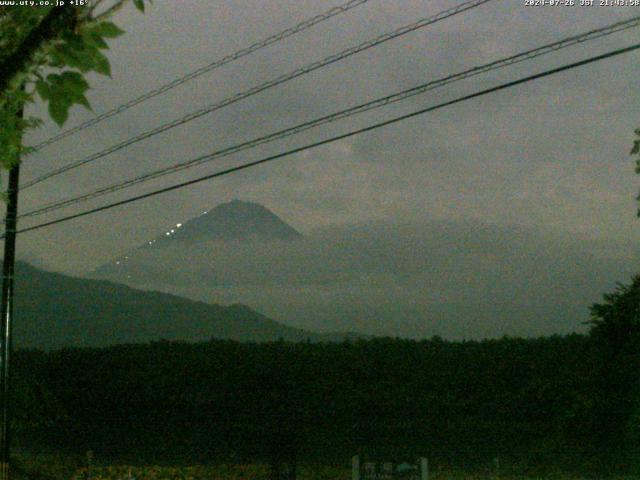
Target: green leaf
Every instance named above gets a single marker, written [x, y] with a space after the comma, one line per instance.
[73, 41]
[80, 58]
[43, 89]
[101, 64]
[107, 30]
[139, 4]
[82, 100]
[59, 111]
[74, 80]
[96, 40]
[64, 90]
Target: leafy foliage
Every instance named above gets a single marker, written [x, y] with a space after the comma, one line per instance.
[563, 402]
[460, 404]
[62, 91]
[54, 70]
[617, 319]
[616, 410]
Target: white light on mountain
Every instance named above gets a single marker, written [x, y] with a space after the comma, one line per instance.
[173, 231]
[118, 262]
[168, 233]
[178, 225]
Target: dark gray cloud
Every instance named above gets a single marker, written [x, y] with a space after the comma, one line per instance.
[462, 279]
[551, 155]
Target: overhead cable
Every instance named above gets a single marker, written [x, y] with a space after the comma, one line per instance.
[308, 23]
[260, 88]
[343, 136]
[377, 103]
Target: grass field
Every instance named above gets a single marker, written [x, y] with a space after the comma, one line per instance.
[51, 467]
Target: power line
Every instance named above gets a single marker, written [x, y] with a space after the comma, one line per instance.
[310, 22]
[264, 86]
[336, 138]
[380, 102]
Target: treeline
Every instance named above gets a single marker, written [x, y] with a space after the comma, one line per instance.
[558, 402]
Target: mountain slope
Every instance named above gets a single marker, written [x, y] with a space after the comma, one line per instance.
[232, 222]
[54, 310]
[235, 220]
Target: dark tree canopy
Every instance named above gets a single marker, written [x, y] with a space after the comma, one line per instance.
[617, 319]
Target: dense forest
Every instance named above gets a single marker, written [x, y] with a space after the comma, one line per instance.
[558, 402]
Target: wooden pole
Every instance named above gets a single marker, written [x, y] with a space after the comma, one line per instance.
[6, 316]
[424, 469]
[355, 468]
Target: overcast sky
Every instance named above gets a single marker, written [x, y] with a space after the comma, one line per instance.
[551, 155]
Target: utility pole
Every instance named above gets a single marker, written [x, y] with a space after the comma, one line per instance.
[49, 27]
[6, 315]
[53, 23]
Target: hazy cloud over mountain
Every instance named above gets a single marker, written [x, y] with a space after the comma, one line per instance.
[461, 279]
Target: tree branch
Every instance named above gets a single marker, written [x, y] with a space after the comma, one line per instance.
[49, 28]
[111, 10]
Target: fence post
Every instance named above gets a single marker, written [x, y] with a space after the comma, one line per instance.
[424, 468]
[355, 468]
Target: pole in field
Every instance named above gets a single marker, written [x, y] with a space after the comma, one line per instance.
[355, 468]
[424, 469]
[6, 315]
